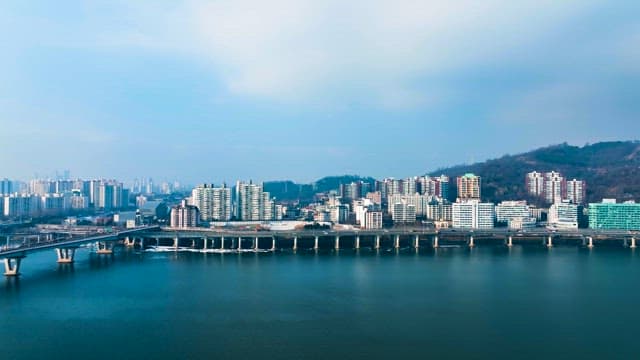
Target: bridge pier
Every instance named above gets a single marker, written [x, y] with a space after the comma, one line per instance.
[12, 266]
[315, 243]
[357, 242]
[256, 244]
[396, 242]
[295, 243]
[417, 242]
[435, 242]
[65, 255]
[549, 242]
[222, 243]
[590, 242]
[633, 243]
[204, 245]
[510, 241]
[104, 248]
[471, 243]
[129, 242]
[337, 243]
[377, 245]
[239, 242]
[176, 242]
[273, 243]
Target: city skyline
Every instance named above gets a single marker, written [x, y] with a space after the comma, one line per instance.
[107, 87]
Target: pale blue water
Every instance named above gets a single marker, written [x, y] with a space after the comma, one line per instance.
[486, 303]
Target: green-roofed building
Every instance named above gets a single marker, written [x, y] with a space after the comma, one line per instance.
[610, 215]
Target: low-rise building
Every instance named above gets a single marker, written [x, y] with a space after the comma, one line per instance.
[610, 215]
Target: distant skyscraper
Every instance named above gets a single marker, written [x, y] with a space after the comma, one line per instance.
[469, 187]
[6, 186]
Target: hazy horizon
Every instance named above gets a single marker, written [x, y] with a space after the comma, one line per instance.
[211, 91]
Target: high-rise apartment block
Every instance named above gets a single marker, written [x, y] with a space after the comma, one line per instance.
[469, 187]
[576, 191]
[213, 203]
[252, 203]
[554, 188]
[184, 216]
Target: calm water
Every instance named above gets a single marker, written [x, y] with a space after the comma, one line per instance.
[453, 303]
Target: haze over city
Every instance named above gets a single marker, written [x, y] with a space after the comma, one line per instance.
[212, 91]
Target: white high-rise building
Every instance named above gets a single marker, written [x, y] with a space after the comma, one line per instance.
[576, 190]
[253, 204]
[403, 212]
[213, 203]
[184, 216]
[473, 214]
[535, 183]
[373, 220]
[554, 187]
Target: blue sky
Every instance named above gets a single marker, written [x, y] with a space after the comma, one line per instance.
[294, 89]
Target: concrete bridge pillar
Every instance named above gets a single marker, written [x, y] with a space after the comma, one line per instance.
[128, 242]
[315, 243]
[65, 255]
[416, 244]
[337, 243]
[633, 243]
[590, 242]
[256, 244]
[471, 243]
[142, 243]
[239, 242]
[205, 245]
[295, 243]
[358, 242]
[377, 245]
[176, 242]
[396, 242]
[273, 243]
[104, 248]
[12, 266]
[222, 243]
[549, 241]
[435, 242]
[510, 241]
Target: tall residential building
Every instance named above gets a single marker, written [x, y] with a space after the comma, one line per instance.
[184, 216]
[420, 202]
[610, 215]
[373, 220]
[473, 214]
[252, 203]
[563, 215]
[403, 212]
[554, 187]
[440, 211]
[213, 203]
[469, 187]
[576, 191]
[409, 186]
[535, 183]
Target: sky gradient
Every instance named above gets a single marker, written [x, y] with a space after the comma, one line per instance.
[211, 91]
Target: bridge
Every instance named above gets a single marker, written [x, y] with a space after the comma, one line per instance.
[232, 240]
[65, 247]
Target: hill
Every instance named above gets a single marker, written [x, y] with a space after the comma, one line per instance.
[611, 170]
[289, 191]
